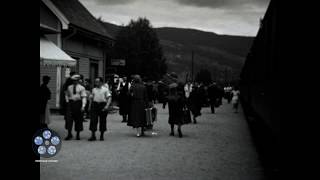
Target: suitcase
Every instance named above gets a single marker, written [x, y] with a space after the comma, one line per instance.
[149, 116]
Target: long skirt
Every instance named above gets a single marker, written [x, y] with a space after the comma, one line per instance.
[45, 118]
[137, 115]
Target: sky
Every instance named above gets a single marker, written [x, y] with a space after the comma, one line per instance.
[231, 17]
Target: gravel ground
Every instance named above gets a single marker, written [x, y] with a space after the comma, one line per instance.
[219, 147]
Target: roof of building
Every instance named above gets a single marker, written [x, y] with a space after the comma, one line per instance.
[111, 28]
[79, 16]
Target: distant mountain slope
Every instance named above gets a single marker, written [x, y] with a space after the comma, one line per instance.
[223, 55]
[233, 44]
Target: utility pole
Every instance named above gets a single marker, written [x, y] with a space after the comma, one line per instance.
[225, 75]
[192, 66]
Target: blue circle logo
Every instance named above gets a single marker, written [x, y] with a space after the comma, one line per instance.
[46, 134]
[46, 143]
[38, 140]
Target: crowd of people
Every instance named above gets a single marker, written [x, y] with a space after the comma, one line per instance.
[80, 100]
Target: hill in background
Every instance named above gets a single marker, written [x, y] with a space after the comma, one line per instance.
[222, 55]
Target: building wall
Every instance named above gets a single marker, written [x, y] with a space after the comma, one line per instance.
[84, 66]
[85, 50]
[101, 73]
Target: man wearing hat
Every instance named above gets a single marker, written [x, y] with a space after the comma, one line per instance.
[76, 99]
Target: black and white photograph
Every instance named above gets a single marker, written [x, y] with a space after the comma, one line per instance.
[158, 90]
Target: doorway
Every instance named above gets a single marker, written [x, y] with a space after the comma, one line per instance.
[94, 70]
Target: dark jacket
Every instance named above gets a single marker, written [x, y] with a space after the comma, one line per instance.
[176, 103]
[124, 99]
[213, 93]
[195, 102]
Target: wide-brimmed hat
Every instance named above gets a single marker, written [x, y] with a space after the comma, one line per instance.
[75, 77]
[137, 78]
[173, 85]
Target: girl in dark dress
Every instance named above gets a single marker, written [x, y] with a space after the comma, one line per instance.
[195, 103]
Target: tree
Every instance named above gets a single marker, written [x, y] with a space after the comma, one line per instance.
[203, 76]
[138, 43]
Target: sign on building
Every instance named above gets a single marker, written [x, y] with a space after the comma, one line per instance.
[118, 62]
[67, 73]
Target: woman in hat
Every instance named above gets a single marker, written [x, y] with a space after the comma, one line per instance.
[139, 101]
[176, 103]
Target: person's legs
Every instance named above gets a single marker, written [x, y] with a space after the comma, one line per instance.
[212, 103]
[179, 131]
[142, 131]
[93, 122]
[102, 135]
[172, 129]
[194, 119]
[138, 132]
[78, 118]
[102, 124]
[78, 135]
[236, 107]
[87, 112]
[69, 136]
[68, 121]
[43, 124]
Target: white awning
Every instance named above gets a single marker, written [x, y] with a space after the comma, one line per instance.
[50, 54]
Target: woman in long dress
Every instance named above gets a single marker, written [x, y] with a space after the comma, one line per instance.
[235, 99]
[45, 96]
[139, 102]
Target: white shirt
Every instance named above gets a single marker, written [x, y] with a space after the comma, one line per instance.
[187, 89]
[123, 84]
[80, 92]
[100, 94]
[235, 96]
